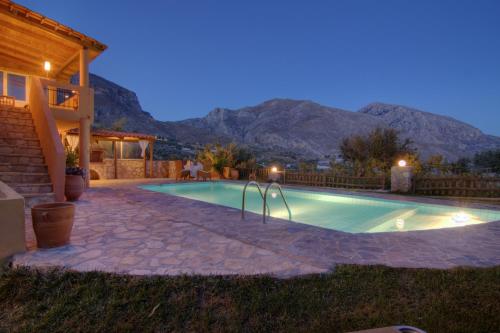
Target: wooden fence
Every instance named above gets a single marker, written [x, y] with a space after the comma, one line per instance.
[458, 186]
[321, 179]
[332, 180]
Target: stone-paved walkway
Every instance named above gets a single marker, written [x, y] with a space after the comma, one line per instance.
[120, 228]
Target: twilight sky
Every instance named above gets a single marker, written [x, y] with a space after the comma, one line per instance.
[186, 57]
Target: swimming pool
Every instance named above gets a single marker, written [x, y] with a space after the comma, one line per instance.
[349, 213]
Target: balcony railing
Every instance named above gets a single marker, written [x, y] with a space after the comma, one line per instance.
[7, 100]
[62, 98]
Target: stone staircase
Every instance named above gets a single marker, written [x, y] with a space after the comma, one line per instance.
[22, 165]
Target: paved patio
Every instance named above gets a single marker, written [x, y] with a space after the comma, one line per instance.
[121, 228]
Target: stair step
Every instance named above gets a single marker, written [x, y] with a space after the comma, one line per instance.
[11, 149]
[23, 142]
[13, 134]
[6, 127]
[30, 168]
[23, 188]
[8, 108]
[32, 199]
[13, 120]
[16, 114]
[25, 177]
[21, 159]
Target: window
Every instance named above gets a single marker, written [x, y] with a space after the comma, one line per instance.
[1, 83]
[16, 86]
[128, 150]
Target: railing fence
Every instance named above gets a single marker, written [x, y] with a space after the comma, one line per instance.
[457, 186]
[62, 98]
[319, 179]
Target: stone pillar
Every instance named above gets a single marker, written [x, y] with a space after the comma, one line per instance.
[85, 145]
[151, 143]
[401, 179]
[84, 67]
[84, 121]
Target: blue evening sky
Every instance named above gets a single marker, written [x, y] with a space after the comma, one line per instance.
[184, 58]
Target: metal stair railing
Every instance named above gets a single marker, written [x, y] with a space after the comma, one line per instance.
[274, 184]
[252, 182]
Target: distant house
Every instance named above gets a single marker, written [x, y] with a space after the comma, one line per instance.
[323, 165]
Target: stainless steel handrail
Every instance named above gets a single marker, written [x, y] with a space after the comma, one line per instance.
[265, 201]
[252, 182]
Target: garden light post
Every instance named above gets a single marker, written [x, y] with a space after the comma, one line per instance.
[402, 177]
[274, 174]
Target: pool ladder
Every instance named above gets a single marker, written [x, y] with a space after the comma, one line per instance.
[265, 207]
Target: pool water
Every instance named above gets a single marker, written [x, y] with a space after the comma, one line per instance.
[349, 213]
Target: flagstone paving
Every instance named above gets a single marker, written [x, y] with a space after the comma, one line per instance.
[121, 228]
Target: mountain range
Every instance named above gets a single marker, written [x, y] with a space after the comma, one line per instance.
[302, 128]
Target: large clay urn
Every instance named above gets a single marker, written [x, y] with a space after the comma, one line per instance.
[52, 223]
[226, 172]
[235, 174]
[74, 187]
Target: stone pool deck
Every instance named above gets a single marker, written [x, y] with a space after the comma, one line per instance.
[121, 228]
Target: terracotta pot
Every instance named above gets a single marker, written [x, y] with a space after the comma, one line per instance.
[226, 172]
[74, 187]
[235, 174]
[52, 223]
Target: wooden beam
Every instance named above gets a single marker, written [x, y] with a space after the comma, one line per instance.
[50, 26]
[67, 63]
[20, 56]
[15, 64]
[19, 30]
[31, 46]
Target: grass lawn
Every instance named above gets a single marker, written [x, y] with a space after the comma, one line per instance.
[351, 298]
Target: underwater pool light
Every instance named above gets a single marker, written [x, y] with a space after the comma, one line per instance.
[461, 217]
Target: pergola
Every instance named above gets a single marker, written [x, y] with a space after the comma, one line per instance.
[29, 39]
[144, 141]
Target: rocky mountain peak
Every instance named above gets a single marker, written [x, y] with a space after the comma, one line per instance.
[299, 128]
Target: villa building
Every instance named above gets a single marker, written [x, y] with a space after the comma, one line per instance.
[38, 105]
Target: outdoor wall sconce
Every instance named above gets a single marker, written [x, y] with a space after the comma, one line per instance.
[402, 163]
[47, 66]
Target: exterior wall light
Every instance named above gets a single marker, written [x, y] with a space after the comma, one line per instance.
[274, 169]
[47, 66]
[402, 163]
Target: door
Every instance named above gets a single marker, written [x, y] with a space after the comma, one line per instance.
[14, 85]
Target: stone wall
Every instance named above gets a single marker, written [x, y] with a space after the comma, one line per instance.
[129, 169]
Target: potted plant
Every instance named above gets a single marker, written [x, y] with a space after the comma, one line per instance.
[75, 177]
[218, 159]
[52, 223]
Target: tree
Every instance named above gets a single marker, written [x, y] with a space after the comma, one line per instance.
[119, 124]
[462, 165]
[307, 166]
[217, 157]
[376, 152]
[489, 160]
[244, 158]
